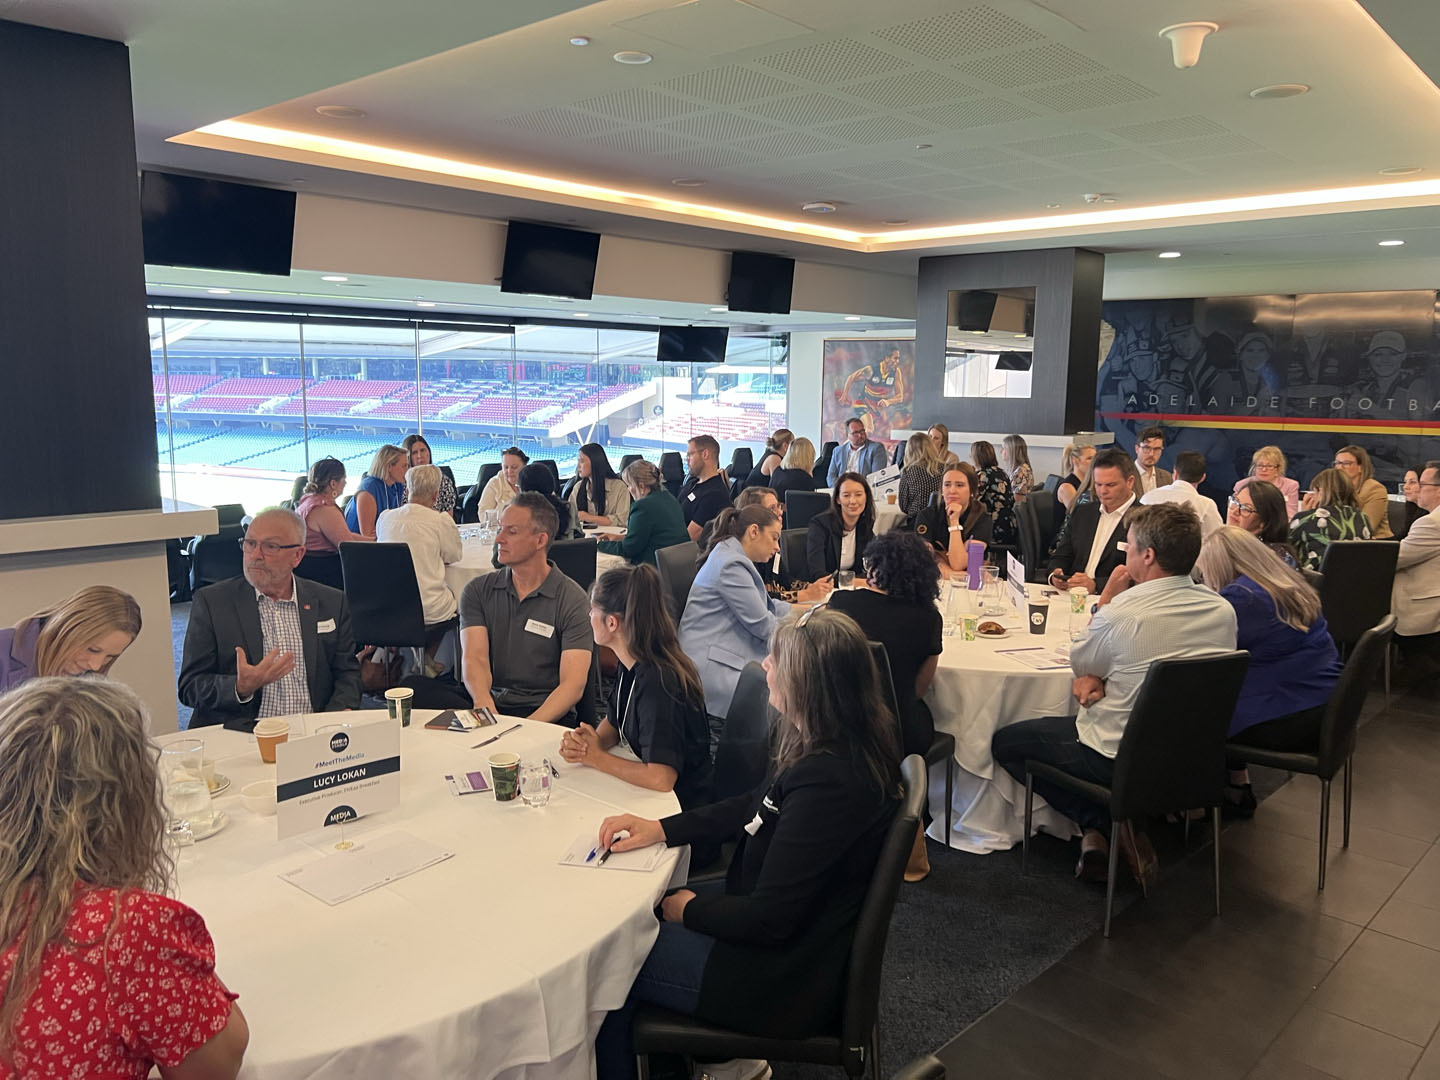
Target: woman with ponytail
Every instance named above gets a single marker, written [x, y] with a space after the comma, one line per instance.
[657, 708]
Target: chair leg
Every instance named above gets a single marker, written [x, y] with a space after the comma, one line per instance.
[1110, 877]
[1324, 828]
[1345, 816]
[1388, 646]
[875, 1052]
[1029, 809]
[642, 1066]
[949, 793]
[1215, 839]
[1185, 835]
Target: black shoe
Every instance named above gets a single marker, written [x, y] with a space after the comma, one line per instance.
[1241, 807]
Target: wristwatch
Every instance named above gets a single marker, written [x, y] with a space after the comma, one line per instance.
[957, 528]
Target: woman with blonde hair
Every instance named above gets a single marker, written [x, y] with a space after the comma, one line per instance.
[381, 488]
[1015, 456]
[1074, 468]
[796, 469]
[106, 976]
[82, 635]
[1327, 513]
[1268, 464]
[920, 479]
[940, 435]
[1293, 662]
[776, 447]
[1370, 495]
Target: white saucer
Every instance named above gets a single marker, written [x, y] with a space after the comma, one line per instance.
[219, 822]
[991, 637]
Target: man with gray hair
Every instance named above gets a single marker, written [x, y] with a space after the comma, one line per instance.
[268, 643]
[432, 537]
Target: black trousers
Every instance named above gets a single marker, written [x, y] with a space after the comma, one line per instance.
[1054, 740]
[1294, 732]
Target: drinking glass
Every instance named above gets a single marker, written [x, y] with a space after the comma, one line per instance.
[991, 600]
[845, 579]
[187, 795]
[957, 606]
[1079, 623]
[535, 782]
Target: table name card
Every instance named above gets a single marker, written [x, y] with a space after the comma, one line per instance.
[335, 777]
[1015, 578]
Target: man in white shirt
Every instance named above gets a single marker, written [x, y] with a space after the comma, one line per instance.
[433, 539]
[1149, 445]
[1189, 475]
[1090, 545]
[1415, 599]
[1162, 615]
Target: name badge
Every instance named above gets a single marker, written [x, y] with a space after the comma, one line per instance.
[754, 826]
[535, 626]
[1121, 545]
[325, 626]
[691, 496]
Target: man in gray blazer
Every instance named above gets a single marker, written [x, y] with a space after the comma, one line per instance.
[1415, 599]
[268, 643]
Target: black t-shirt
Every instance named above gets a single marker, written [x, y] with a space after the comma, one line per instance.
[703, 501]
[911, 634]
[662, 730]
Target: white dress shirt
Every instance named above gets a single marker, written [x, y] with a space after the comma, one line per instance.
[1148, 480]
[1160, 619]
[1104, 529]
[847, 550]
[434, 542]
[1182, 491]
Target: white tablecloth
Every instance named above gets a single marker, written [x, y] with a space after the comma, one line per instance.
[497, 962]
[477, 561]
[977, 691]
[886, 517]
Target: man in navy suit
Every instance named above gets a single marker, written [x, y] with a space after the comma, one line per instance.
[1090, 544]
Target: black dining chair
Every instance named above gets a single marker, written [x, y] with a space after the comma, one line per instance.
[672, 472]
[216, 557]
[676, 564]
[1029, 535]
[743, 757]
[384, 602]
[488, 472]
[742, 461]
[822, 463]
[576, 560]
[1336, 744]
[1359, 576]
[793, 557]
[801, 506]
[854, 1043]
[550, 464]
[1052, 482]
[942, 744]
[230, 514]
[626, 460]
[928, 1067]
[1171, 757]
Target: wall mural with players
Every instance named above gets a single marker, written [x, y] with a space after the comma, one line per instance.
[1308, 373]
[871, 378]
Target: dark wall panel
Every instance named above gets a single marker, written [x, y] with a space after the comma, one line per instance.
[73, 344]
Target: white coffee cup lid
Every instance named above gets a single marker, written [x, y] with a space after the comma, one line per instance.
[399, 692]
[272, 725]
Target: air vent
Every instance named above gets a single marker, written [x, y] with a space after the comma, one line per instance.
[958, 115]
[562, 122]
[807, 110]
[706, 158]
[876, 129]
[638, 105]
[1096, 93]
[890, 169]
[959, 33]
[720, 127]
[788, 144]
[728, 85]
[1079, 142]
[832, 62]
[1180, 127]
[1014, 170]
[910, 89]
[644, 140]
[1210, 146]
[1049, 63]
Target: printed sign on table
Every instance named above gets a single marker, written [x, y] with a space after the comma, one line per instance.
[1015, 578]
[336, 777]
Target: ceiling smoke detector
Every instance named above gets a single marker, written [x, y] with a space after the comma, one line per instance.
[632, 56]
[1185, 41]
[1279, 90]
[818, 207]
[341, 112]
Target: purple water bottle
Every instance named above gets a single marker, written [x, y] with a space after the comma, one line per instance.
[974, 564]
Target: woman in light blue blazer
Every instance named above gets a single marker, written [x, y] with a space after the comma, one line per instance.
[729, 616]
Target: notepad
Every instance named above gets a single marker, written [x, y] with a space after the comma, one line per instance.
[580, 854]
[369, 865]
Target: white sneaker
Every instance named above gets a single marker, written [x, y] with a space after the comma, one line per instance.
[736, 1069]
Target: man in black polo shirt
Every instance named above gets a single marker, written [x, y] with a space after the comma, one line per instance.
[525, 629]
[704, 494]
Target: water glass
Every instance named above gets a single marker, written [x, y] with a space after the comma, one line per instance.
[535, 782]
[1079, 623]
[845, 579]
[957, 606]
[992, 601]
[187, 795]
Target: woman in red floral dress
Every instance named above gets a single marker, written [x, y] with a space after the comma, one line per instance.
[103, 976]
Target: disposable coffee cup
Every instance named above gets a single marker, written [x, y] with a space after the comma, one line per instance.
[969, 626]
[505, 776]
[1078, 596]
[1038, 614]
[891, 498]
[397, 700]
[270, 733]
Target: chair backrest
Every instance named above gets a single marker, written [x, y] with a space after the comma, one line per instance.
[1395, 513]
[867, 954]
[587, 709]
[470, 504]
[297, 489]
[1316, 580]
[626, 460]
[382, 594]
[1172, 755]
[549, 463]
[1028, 529]
[897, 455]
[1043, 503]
[822, 463]
[801, 506]
[230, 513]
[743, 757]
[1052, 481]
[672, 473]
[887, 677]
[1342, 711]
[676, 564]
[488, 472]
[741, 462]
[568, 487]
[794, 562]
[216, 557]
[1356, 594]
[576, 560]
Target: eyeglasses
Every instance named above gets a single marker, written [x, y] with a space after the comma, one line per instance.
[1239, 507]
[1265, 465]
[266, 547]
[1428, 483]
[806, 617]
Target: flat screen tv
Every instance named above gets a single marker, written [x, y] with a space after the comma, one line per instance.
[549, 260]
[216, 224]
[692, 345]
[760, 282]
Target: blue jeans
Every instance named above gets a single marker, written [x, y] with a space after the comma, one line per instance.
[1053, 740]
[670, 978]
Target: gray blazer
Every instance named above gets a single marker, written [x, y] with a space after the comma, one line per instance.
[728, 621]
[226, 615]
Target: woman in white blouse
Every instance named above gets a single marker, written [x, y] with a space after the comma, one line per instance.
[501, 488]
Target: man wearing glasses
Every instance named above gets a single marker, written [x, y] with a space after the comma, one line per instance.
[1415, 599]
[268, 643]
[1149, 445]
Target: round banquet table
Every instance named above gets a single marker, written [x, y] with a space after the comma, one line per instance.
[886, 516]
[977, 690]
[477, 559]
[497, 962]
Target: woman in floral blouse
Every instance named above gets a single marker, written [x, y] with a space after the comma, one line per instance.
[995, 491]
[1328, 512]
[103, 976]
[1016, 457]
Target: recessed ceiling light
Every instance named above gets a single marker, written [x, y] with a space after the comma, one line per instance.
[424, 303]
[719, 309]
[1052, 206]
[334, 277]
[1019, 335]
[1168, 255]
[219, 292]
[1279, 90]
[632, 56]
[1108, 199]
[341, 112]
[580, 40]
[852, 318]
[924, 145]
[582, 314]
[818, 207]
[896, 221]
[1402, 170]
[1392, 243]
[688, 181]
[298, 180]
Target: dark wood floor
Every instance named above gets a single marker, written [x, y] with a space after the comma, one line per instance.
[1288, 983]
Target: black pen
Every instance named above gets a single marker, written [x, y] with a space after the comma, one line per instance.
[606, 855]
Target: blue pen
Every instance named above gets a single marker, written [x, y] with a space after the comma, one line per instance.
[593, 852]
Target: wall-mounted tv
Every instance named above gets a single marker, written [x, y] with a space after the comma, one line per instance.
[760, 282]
[216, 224]
[692, 345]
[549, 260]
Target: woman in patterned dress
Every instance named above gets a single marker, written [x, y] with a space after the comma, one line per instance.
[1328, 512]
[1016, 457]
[995, 491]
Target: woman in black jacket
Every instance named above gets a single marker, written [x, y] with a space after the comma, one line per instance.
[956, 519]
[808, 841]
[837, 537]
